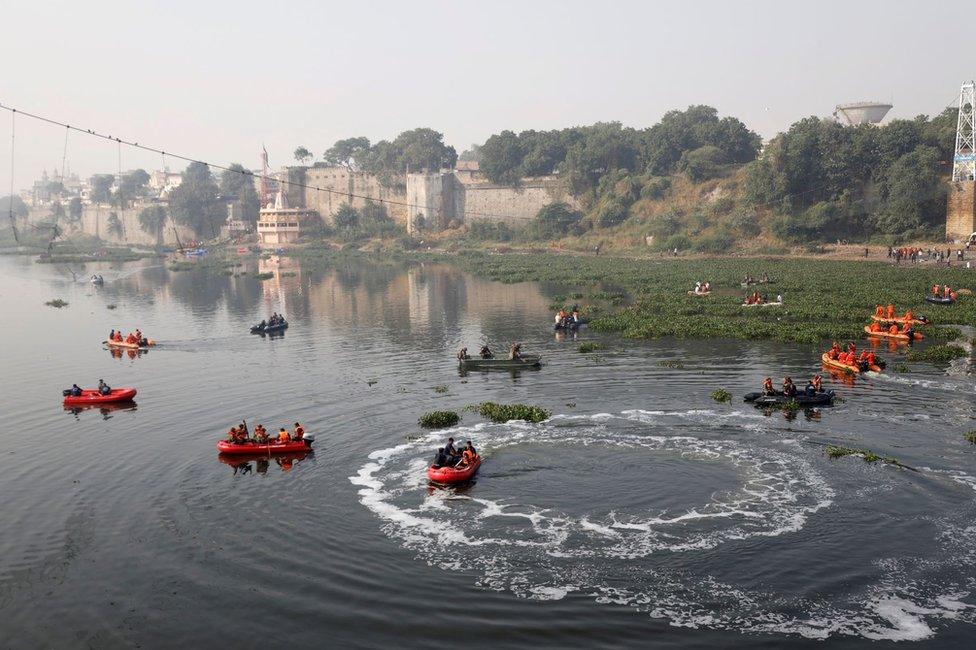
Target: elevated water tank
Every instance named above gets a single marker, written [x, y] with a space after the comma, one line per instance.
[861, 113]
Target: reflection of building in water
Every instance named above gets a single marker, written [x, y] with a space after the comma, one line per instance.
[287, 278]
[279, 224]
[426, 297]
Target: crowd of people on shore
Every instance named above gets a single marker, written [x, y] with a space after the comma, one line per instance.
[240, 435]
[915, 254]
[451, 456]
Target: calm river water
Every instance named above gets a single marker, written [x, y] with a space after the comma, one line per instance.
[642, 514]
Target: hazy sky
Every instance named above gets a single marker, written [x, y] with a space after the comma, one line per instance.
[218, 79]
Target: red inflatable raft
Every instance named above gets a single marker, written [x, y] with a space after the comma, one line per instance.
[453, 474]
[92, 396]
[257, 448]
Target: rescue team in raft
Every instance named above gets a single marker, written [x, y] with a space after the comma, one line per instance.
[568, 319]
[514, 353]
[945, 292]
[75, 390]
[814, 386]
[240, 435]
[850, 357]
[133, 338]
[450, 456]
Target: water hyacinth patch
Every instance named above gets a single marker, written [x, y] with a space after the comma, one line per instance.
[502, 413]
[439, 419]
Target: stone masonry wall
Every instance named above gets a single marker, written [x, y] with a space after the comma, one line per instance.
[340, 183]
[94, 221]
[961, 210]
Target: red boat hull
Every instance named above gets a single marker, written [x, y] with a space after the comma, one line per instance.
[91, 396]
[451, 475]
[254, 448]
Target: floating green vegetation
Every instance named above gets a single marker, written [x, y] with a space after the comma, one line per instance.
[440, 389]
[590, 346]
[112, 306]
[671, 363]
[57, 302]
[439, 419]
[937, 354]
[837, 451]
[264, 276]
[505, 412]
[900, 367]
[657, 304]
[721, 395]
[971, 436]
[575, 296]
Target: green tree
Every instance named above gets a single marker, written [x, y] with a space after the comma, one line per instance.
[152, 219]
[703, 163]
[101, 188]
[20, 208]
[57, 212]
[237, 185]
[423, 149]
[914, 194]
[501, 158]
[115, 224]
[195, 202]
[75, 209]
[346, 217]
[135, 183]
[605, 147]
[303, 155]
[555, 220]
[349, 153]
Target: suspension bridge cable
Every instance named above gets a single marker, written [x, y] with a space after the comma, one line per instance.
[244, 172]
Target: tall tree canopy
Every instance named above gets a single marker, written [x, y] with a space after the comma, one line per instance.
[349, 153]
[237, 184]
[152, 219]
[195, 202]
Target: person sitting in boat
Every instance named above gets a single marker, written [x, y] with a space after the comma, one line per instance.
[111, 335]
[486, 352]
[283, 436]
[890, 311]
[575, 316]
[470, 447]
[299, 432]
[232, 435]
[118, 336]
[834, 351]
[767, 386]
[879, 311]
[698, 287]
[260, 434]
[893, 329]
[817, 382]
[909, 316]
[810, 390]
[440, 459]
[463, 354]
[130, 338]
[789, 388]
[140, 339]
[779, 297]
[935, 290]
[515, 352]
[467, 457]
[451, 451]
[104, 388]
[75, 390]
[947, 292]
[875, 326]
[765, 278]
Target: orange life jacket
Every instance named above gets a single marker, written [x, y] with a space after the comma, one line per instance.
[891, 311]
[283, 436]
[893, 329]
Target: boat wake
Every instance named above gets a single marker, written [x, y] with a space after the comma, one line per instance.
[633, 556]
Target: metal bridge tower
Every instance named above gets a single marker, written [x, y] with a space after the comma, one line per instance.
[964, 161]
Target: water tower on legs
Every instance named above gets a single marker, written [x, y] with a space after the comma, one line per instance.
[961, 206]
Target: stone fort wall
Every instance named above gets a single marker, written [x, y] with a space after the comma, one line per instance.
[961, 210]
